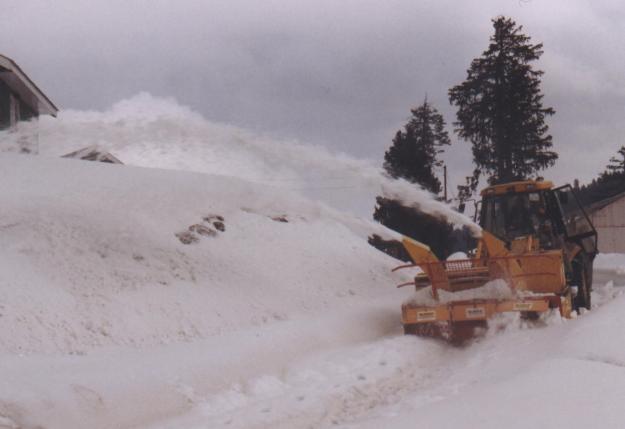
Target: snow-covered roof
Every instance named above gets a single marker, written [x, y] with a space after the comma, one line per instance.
[93, 153]
[19, 82]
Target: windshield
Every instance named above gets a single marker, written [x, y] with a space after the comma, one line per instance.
[513, 215]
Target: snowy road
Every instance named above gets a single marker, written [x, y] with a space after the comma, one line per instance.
[401, 380]
[603, 275]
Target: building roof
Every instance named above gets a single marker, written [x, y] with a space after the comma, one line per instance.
[93, 153]
[19, 82]
[605, 202]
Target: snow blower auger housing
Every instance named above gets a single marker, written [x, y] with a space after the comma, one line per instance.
[537, 240]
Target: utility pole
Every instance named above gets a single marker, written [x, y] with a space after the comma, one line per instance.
[445, 182]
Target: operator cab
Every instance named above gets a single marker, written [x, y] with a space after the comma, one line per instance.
[517, 210]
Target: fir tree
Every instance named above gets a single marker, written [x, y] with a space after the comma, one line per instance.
[617, 165]
[500, 108]
[609, 183]
[414, 152]
[413, 156]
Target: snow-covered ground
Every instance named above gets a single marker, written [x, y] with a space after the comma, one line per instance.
[95, 275]
[285, 319]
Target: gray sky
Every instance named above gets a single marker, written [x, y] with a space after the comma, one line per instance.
[343, 73]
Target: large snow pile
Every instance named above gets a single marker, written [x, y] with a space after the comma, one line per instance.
[99, 243]
[92, 258]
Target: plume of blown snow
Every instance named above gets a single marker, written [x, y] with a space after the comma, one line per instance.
[158, 132]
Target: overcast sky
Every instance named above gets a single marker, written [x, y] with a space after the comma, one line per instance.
[343, 73]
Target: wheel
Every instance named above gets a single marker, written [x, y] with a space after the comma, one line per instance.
[589, 273]
[582, 278]
[410, 330]
[430, 330]
[530, 315]
[460, 333]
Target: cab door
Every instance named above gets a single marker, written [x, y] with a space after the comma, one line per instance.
[575, 223]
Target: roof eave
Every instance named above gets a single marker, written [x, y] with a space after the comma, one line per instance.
[26, 85]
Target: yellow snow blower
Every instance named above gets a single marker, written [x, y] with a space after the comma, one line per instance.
[537, 240]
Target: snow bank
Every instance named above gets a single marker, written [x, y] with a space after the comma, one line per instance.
[614, 262]
[99, 241]
[96, 283]
[158, 132]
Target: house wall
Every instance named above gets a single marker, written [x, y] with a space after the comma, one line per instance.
[12, 109]
[5, 106]
[25, 112]
[610, 224]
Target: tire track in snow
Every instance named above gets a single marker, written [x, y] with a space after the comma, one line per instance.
[329, 389]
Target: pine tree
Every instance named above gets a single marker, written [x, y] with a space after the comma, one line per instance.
[413, 156]
[500, 108]
[609, 183]
[617, 165]
[414, 152]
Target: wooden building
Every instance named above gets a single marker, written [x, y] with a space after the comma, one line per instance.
[20, 98]
[608, 217]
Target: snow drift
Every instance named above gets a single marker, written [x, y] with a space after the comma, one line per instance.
[92, 260]
[101, 242]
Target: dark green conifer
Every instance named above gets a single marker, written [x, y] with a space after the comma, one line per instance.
[500, 108]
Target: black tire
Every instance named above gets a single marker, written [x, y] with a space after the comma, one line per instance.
[589, 272]
[582, 278]
[428, 330]
[530, 315]
[461, 333]
[410, 330]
